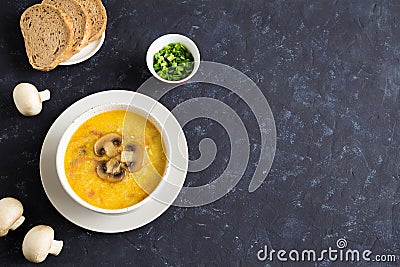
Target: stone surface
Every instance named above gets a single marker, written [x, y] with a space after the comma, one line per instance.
[331, 73]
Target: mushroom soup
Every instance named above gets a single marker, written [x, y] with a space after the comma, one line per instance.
[115, 159]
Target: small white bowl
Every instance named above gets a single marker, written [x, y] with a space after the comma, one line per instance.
[143, 106]
[167, 39]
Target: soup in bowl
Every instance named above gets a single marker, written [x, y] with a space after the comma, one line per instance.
[112, 158]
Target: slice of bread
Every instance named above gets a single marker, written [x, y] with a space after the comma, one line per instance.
[81, 21]
[98, 17]
[48, 36]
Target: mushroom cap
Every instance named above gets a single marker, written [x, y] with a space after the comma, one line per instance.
[111, 170]
[132, 156]
[108, 144]
[27, 99]
[37, 243]
[10, 211]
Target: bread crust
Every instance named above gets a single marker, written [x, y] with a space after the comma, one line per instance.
[65, 54]
[88, 27]
[103, 28]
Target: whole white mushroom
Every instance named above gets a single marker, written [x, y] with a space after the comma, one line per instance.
[28, 99]
[39, 242]
[10, 215]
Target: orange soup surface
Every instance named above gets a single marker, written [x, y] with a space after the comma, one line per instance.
[81, 160]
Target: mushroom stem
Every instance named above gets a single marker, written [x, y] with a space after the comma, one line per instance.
[56, 247]
[17, 223]
[44, 95]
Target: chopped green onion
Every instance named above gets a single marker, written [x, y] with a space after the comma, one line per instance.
[174, 62]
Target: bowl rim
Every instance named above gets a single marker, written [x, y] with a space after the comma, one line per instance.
[82, 118]
[194, 50]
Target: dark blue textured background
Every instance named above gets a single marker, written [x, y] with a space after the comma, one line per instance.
[331, 73]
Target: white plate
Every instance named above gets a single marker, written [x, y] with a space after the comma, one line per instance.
[86, 52]
[83, 217]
